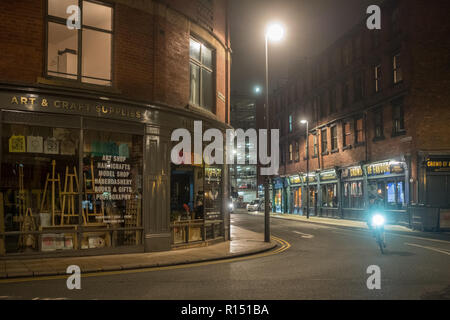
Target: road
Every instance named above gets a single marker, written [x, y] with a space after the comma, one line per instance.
[323, 262]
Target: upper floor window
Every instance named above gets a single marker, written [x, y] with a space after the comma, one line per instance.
[332, 96]
[316, 146]
[347, 134]
[398, 117]
[201, 68]
[378, 121]
[80, 54]
[358, 87]
[397, 69]
[334, 138]
[297, 151]
[324, 141]
[377, 77]
[290, 123]
[345, 90]
[290, 152]
[359, 130]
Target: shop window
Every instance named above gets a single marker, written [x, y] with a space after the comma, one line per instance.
[359, 130]
[389, 193]
[377, 78]
[324, 139]
[397, 70]
[112, 170]
[88, 61]
[329, 196]
[334, 138]
[201, 68]
[353, 195]
[40, 187]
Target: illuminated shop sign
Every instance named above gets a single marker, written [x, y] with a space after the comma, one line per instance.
[311, 178]
[385, 168]
[438, 165]
[33, 102]
[352, 172]
[295, 179]
[325, 176]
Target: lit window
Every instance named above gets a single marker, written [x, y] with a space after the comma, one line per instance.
[398, 77]
[377, 76]
[201, 75]
[88, 60]
[347, 134]
[359, 130]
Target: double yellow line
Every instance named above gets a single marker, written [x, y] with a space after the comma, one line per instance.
[284, 245]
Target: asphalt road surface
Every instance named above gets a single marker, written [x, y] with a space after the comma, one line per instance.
[323, 262]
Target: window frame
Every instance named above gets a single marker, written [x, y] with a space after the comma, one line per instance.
[334, 139]
[357, 141]
[324, 140]
[395, 130]
[397, 69]
[201, 66]
[61, 21]
[378, 124]
[377, 78]
[346, 144]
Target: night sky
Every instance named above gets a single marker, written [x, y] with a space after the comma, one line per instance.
[311, 26]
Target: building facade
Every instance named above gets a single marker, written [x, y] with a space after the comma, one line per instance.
[243, 176]
[376, 102]
[86, 117]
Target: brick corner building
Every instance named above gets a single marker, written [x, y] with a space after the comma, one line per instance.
[86, 116]
[377, 105]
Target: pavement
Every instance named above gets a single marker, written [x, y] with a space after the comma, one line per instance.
[352, 224]
[243, 243]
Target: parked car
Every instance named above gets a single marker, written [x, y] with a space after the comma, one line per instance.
[254, 205]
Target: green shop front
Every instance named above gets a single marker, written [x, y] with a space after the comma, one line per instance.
[85, 175]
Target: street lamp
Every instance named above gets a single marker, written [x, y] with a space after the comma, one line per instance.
[307, 166]
[274, 32]
[257, 89]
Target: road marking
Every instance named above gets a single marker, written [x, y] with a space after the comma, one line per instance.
[429, 248]
[304, 235]
[284, 246]
[420, 238]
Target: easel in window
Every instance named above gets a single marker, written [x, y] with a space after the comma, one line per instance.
[92, 192]
[68, 196]
[53, 181]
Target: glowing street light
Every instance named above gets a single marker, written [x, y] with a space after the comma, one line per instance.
[274, 32]
[257, 89]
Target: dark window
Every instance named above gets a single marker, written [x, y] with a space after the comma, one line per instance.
[377, 78]
[297, 151]
[332, 100]
[290, 152]
[201, 70]
[358, 88]
[398, 77]
[345, 90]
[334, 138]
[316, 146]
[359, 130]
[347, 134]
[397, 117]
[378, 119]
[324, 140]
[88, 60]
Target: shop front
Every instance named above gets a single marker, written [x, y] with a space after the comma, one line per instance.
[435, 180]
[279, 197]
[83, 176]
[295, 206]
[352, 193]
[388, 184]
[328, 196]
[310, 186]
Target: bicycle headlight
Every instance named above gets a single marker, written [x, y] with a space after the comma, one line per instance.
[378, 220]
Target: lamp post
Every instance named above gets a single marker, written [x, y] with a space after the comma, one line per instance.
[274, 32]
[307, 166]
